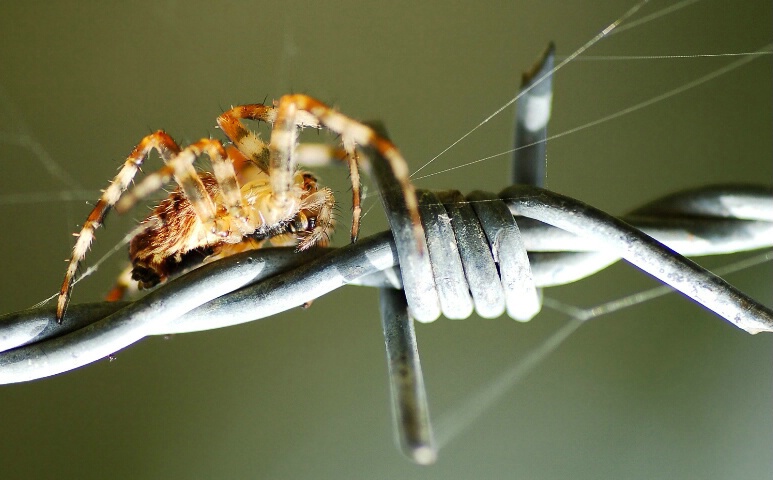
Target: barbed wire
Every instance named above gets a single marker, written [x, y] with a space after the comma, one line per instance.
[258, 284]
[703, 221]
[484, 252]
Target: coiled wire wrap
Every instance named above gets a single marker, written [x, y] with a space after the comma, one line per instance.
[486, 252]
[468, 238]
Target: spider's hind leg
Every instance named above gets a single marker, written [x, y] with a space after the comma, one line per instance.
[167, 148]
[124, 286]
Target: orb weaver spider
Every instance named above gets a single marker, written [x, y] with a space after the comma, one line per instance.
[254, 194]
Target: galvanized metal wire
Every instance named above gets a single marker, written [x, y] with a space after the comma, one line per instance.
[254, 285]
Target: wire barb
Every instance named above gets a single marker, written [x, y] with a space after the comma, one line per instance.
[406, 381]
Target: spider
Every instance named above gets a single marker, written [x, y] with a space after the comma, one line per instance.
[254, 193]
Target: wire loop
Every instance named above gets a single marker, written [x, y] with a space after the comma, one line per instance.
[475, 252]
[522, 299]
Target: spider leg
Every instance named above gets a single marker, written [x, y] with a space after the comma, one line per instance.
[224, 168]
[248, 141]
[158, 141]
[354, 176]
[352, 133]
[242, 137]
[282, 153]
[124, 285]
[320, 154]
[180, 167]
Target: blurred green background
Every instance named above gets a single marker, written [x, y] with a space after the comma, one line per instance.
[659, 390]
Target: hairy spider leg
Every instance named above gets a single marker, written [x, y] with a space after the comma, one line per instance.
[350, 131]
[354, 174]
[181, 168]
[225, 174]
[244, 139]
[282, 159]
[166, 148]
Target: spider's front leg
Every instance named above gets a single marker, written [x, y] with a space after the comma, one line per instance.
[352, 132]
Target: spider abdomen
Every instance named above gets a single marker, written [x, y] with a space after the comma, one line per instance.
[170, 233]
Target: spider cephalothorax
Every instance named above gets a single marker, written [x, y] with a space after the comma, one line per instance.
[254, 194]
